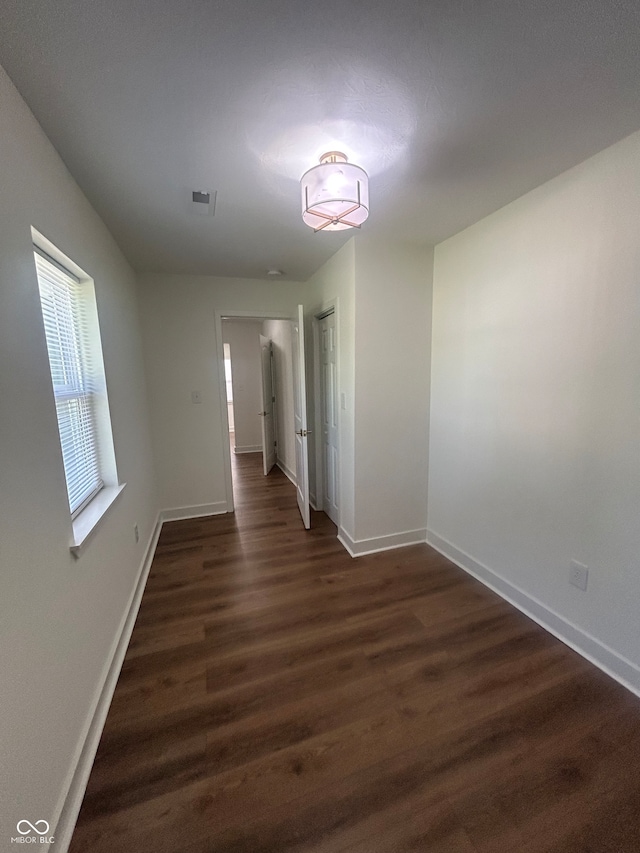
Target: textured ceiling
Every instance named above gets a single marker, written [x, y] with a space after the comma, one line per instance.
[454, 107]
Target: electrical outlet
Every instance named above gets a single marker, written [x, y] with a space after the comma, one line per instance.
[578, 575]
[136, 532]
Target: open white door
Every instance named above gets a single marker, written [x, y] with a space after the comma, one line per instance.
[300, 419]
[267, 413]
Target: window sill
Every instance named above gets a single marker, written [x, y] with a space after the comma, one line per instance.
[86, 523]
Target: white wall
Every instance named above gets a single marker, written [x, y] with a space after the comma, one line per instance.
[383, 290]
[535, 425]
[279, 331]
[243, 337]
[392, 370]
[178, 325]
[59, 617]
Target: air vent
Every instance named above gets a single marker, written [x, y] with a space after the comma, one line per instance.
[203, 202]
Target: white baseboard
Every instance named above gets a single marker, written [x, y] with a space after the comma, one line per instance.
[83, 763]
[286, 470]
[199, 511]
[345, 540]
[594, 650]
[248, 448]
[361, 547]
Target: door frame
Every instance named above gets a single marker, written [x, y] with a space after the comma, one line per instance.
[233, 314]
[331, 306]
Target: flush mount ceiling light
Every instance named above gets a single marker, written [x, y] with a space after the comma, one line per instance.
[335, 194]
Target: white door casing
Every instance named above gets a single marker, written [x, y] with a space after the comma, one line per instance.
[300, 419]
[268, 407]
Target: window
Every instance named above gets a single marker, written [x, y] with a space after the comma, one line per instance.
[65, 327]
[227, 372]
[77, 374]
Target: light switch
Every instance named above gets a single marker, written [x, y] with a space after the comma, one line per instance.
[196, 397]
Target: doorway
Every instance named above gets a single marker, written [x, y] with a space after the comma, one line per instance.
[327, 413]
[228, 382]
[256, 355]
[241, 347]
[269, 424]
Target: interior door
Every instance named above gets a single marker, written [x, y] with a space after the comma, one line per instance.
[267, 413]
[300, 419]
[329, 416]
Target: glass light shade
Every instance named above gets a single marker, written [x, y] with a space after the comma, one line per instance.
[335, 194]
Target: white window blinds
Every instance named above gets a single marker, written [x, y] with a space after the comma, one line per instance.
[66, 329]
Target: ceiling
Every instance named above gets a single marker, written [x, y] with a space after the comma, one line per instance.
[454, 107]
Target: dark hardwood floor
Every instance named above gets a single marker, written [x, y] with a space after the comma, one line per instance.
[279, 696]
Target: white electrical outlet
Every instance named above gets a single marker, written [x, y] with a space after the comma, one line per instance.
[578, 575]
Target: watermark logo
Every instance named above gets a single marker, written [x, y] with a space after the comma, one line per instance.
[32, 828]
[32, 833]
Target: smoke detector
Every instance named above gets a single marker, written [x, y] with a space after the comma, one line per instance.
[274, 273]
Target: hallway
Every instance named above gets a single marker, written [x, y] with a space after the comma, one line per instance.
[279, 696]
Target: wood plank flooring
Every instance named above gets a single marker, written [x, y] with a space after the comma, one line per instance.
[278, 696]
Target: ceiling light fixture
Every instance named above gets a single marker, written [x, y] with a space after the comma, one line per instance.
[335, 194]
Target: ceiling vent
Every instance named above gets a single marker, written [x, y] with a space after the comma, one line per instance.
[203, 202]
